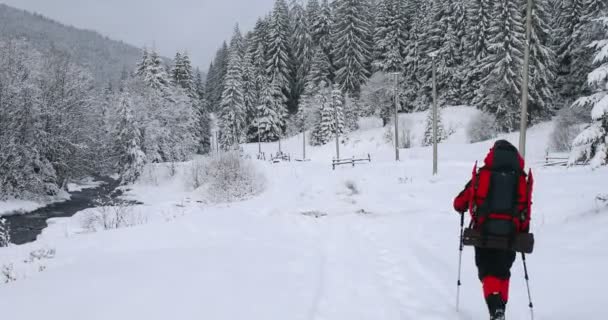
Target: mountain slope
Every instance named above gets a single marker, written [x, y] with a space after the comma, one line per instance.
[105, 58]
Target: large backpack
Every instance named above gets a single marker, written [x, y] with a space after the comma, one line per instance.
[502, 195]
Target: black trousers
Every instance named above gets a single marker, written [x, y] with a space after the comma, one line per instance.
[494, 262]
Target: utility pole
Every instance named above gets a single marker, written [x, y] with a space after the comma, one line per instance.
[396, 98]
[303, 138]
[257, 115]
[524, 91]
[303, 145]
[336, 131]
[433, 56]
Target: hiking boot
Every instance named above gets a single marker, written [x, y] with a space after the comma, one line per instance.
[496, 306]
[499, 314]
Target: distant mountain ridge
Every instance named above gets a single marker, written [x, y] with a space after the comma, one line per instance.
[105, 58]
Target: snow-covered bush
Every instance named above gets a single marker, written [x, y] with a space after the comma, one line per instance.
[405, 133]
[5, 234]
[378, 96]
[8, 273]
[111, 214]
[568, 125]
[482, 127]
[591, 145]
[227, 177]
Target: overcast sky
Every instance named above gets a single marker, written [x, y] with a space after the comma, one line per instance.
[198, 26]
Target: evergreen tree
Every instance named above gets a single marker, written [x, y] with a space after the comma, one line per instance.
[182, 75]
[330, 114]
[499, 92]
[573, 55]
[479, 38]
[542, 65]
[278, 64]
[216, 77]
[352, 48]
[591, 146]
[270, 113]
[428, 129]
[128, 143]
[320, 70]
[416, 89]
[199, 85]
[303, 50]
[390, 36]
[5, 233]
[232, 111]
[237, 43]
[313, 13]
[152, 72]
[322, 33]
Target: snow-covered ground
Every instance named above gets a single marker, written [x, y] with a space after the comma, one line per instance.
[377, 241]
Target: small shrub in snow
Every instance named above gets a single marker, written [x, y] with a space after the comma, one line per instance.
[5, 234]
[405, 133]
[567, 127]
[228, 177]
[110, 214]
[40, 254]
[352, 187]
[601, 202]
[8, 273]
[482, 127]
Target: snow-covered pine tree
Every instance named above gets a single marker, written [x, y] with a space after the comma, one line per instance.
[591, 146]
[251, 91]
[320, 71]
[182, 74]
[427, 140]
[352, 50]
[199, 85]
[573, 55]
[329, 104]
[279, 54]
[480, 15]
[499, 92]
[131, 158]
[417, 82]
[542, 65]
[202, 123]
[322, 33]
[143, 64]
[237, 42]
[390, 36]
[176, 70]
[380, 31]
[216, 76]
[446, 36]
[270, 113]
[302, 49]
[154, 75]
[232, 113]
[5, 233]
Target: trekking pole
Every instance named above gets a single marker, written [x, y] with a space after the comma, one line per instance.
[523, 257]
[459, 262]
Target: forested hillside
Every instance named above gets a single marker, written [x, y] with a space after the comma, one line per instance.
[105, 58]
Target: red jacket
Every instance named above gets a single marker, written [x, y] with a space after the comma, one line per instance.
[462, 201]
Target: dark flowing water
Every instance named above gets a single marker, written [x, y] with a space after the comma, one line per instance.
[25, 228]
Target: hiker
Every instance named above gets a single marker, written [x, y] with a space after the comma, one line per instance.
[497, 197]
